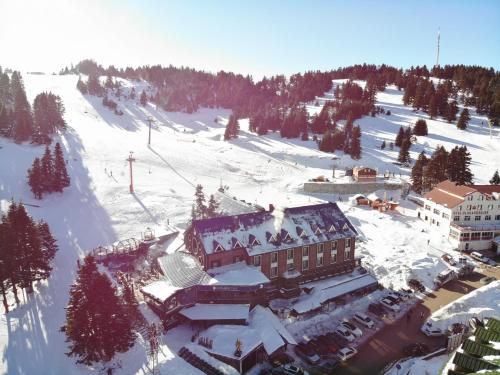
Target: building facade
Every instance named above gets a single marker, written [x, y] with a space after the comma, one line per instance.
[469, 215]
[364, 174]
[297, 244]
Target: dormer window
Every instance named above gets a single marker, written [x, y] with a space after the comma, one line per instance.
[252, 240]
[270, 238]
[236, 243]
[286, 236]
[318, 231]
[301, 232]
[332, 229]
[346, 227]
[218, 247]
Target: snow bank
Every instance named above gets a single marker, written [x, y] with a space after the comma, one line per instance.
[482, 302]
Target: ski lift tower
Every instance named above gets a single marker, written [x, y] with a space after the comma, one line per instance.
[150, 120]
[130, 160]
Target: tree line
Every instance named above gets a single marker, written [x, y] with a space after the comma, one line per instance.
[48, 174]
[442, 165]
[22, 122]
[27, 249]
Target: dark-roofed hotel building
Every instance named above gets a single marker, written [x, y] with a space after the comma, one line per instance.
[288, 246]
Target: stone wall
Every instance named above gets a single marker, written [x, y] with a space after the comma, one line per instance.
[349, 188]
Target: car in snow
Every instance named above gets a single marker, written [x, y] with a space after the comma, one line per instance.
[345, 333]
[290, 370]
[307, 353]
[377, 309]
[416, 285]
[429, 330]
[449, 259]
[352, 328]
[345, 353]
[488, 279]
[480, 257]
[445, 277]
[364, 320]
[390, 305]
[394, 298]
[329, 343]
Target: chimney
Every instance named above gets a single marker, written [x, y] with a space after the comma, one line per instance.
[271, 207]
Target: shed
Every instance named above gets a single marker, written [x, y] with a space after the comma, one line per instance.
[364, 174]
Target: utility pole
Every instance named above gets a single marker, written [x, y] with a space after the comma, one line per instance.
[150, 120]
[130, 161]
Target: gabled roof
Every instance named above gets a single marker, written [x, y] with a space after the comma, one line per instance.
[272, 228]
[182, 270]
[449, 194]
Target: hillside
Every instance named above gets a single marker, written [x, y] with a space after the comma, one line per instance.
[188, 149]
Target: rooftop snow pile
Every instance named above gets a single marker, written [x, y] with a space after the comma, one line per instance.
[183, 270]
[237, 274]
[266, 231]
[160, 290]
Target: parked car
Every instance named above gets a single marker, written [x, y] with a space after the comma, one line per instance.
[445, 277]
[480, 257]
[449, 259]
[345, 353]
[319, 347]
[488, 279]
[337, 339]
[329, 343]
[393, 298]
[329, 366]
[429, 330]
[403, 294]
[388, 304]
[376, 309]
[416, 285]
[290, 370]
[307, 353]
[345, 333]
[352, 328]
[364, 320]
[416, 349]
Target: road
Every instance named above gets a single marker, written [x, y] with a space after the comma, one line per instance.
[386, 345]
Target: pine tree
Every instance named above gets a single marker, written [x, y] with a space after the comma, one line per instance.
[420, 127]
[23, 118]
[47, 168]
[433, 108]
[36, 179]
[200, 208]
[48, 251]
[400, 137]
[417, 173]
[97, 325]
[464, 175]
[356, 143]
[130, 303]
[404, 154]
[61, 178]
[436, 169]
[452, 111]
[144, 98]
[464, 119]
[232, 128]
[5, 125]
[495, 180]
[213, 206]
[82, 86]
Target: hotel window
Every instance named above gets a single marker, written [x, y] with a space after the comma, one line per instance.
[427, 207]
[456, 218]
[446, 216]
[466, 218]
[481, 197]
[470, 197]
[289, 254]
[436, 212]
[347, 242]
[321, 247]
[319, 261]
[480, 207]
[333, 256]
[487, 235]
[334, 245]
[487, 217]
[438, 224]
[256, 260]
[348, 254]
[274, 257]
[290, 267]
[305, 264]
[274, 271]
[305, 251]
[475, 236]
[469, 206]
[490, 207]
[477, 218]
[497, 217]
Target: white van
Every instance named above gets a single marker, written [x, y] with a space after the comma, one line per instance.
[479, 256]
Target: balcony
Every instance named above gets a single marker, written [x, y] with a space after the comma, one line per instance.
[475, 228]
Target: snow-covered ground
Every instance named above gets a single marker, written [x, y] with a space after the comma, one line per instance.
[419, 366]
[188, 149]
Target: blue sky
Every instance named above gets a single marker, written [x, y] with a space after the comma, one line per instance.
[257, 37]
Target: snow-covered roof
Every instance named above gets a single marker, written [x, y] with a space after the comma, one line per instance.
[263, 328]
[232, 206]
[333, 288]
[160, 290]
[218, 234]
[202, 311]
[237, 274]
[183, 270]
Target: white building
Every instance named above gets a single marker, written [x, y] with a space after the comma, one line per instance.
[470, 215]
